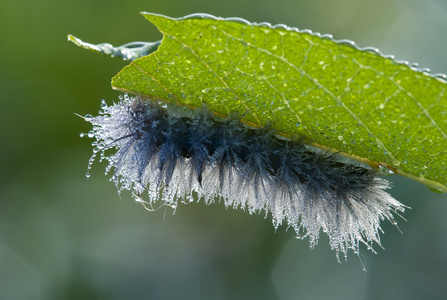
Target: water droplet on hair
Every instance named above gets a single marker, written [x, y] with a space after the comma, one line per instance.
[87, 175]
[91, 134]
[82, 134]
[88, 118]
[385, 170]
[103, 104]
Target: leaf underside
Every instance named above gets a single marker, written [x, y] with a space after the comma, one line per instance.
[358, 102]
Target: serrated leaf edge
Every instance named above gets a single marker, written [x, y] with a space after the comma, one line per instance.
[413, 66]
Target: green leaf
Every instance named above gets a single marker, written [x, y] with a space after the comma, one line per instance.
[368, 106]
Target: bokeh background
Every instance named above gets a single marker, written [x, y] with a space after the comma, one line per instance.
[63, 236]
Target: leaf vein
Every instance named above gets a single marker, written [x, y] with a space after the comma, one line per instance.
[212, 71]
[154, 79]
[380, 144]
[401, 88]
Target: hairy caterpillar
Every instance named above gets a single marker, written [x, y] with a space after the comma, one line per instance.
[171, 152]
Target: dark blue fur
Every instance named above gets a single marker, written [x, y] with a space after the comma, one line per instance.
[171, 151]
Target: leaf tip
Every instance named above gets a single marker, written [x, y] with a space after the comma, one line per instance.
[80, 43]
[74, 40]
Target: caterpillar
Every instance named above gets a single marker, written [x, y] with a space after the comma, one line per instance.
[176, 154]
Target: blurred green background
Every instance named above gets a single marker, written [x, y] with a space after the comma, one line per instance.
[65, 237]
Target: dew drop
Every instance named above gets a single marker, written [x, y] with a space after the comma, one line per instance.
[91, 134]
[87, 175]
[103, 104]
[82, 134]
[385, 170]
[88, 118]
